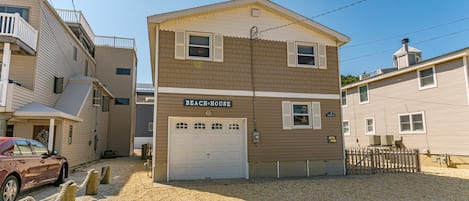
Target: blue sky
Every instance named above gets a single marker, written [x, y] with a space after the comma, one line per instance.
[376, 26]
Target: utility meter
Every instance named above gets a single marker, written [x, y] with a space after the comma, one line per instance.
[255, 137]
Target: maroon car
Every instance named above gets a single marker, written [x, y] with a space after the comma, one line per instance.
[25, 164]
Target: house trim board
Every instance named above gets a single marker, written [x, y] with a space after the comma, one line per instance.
[466, 79]
[175, 90]
[155, 102]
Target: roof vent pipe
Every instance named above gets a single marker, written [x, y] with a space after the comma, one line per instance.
[405, 43]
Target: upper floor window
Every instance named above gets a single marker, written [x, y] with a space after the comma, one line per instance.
[23, 12]
[344, 98]
[412, 123]
[363, 92]
[198, 46]
[75, 53]
[96, 97]
[427, 78]
[122, 101]
[306, 54]
[123, 71]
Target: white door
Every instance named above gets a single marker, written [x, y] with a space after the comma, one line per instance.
[207, 148]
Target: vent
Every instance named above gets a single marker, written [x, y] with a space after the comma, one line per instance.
[58, 85]
[255, 12]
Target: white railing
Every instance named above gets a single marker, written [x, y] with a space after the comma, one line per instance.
[71, 16]
[15, 26]
[116, 42]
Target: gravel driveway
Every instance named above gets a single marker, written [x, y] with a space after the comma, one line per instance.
[130, 182]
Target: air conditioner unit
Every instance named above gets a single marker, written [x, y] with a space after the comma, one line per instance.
[375, 140]
[387, 140]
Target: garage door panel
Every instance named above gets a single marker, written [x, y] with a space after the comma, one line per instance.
[203, 148]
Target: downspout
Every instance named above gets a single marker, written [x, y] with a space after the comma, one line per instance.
[341, 111]
[253, 35]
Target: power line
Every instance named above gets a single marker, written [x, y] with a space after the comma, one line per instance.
[322, 14]
[75, 11]
[405, 34]
[419, 42]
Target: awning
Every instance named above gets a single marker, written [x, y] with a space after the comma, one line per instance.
[40, 111]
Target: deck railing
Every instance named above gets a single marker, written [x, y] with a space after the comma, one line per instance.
[71, 16]
[15, 26]
[116, 42]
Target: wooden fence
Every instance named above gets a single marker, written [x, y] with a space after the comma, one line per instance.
[363, 161]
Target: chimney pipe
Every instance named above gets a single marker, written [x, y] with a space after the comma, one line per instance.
[405, 42]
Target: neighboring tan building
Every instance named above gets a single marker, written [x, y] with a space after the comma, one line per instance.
[418, 104]
[230, 107]
[144, 115]
[49, 80]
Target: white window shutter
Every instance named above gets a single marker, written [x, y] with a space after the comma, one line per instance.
[218, 48]
[316, 115]
[287, 115]
[180, 45]
[291, 54]
[322, 57]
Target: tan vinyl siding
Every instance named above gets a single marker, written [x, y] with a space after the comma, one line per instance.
[270, 68]
[21, 68]
[445, 109]
[276, 143]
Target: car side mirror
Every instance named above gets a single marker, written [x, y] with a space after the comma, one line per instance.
[54, 152]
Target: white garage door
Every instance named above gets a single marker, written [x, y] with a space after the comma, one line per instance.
[207, 148]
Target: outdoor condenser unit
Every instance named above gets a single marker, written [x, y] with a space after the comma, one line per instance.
[375, 140]
[387, 140]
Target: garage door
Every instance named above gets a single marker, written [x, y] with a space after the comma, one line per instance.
[207, 148]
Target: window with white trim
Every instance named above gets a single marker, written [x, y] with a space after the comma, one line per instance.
[198, 46]
[370, 126]
[427, 78]
[301, 115]
[96, 97]
[363, 93]
[306, 54]
[346, 127]
[344, 98]
[412, 123]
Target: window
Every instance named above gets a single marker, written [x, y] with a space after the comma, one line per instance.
[301, 115]
[370, 126]
[363, 91]
[123, 71]
[75, 53]
[121, 101]
[86, 68]
[22, 148]
[344, 98]
[199, 45]
[306, 54]
[38, 148]
[233, 126]
[96, 97]
[412, 123]
[23, 12]
[105, 107]
[58, 85]
[427, 78]
[181, 125]
[217, 126]
[346, 127]
[150, 126]
[199, 126]
[70, 134]
[10, 129]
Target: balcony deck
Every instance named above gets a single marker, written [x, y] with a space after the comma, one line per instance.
[14, 29]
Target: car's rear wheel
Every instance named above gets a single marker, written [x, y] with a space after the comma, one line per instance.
[9, 189]
[62, 175]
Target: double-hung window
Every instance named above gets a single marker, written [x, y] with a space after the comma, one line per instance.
[96, 98]
[306, 54]
[412, 123]
[301, 115]
[427, 78]
[363, 92]
[346, 127]
[199, 46]
[344, 98]
[370, 126]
